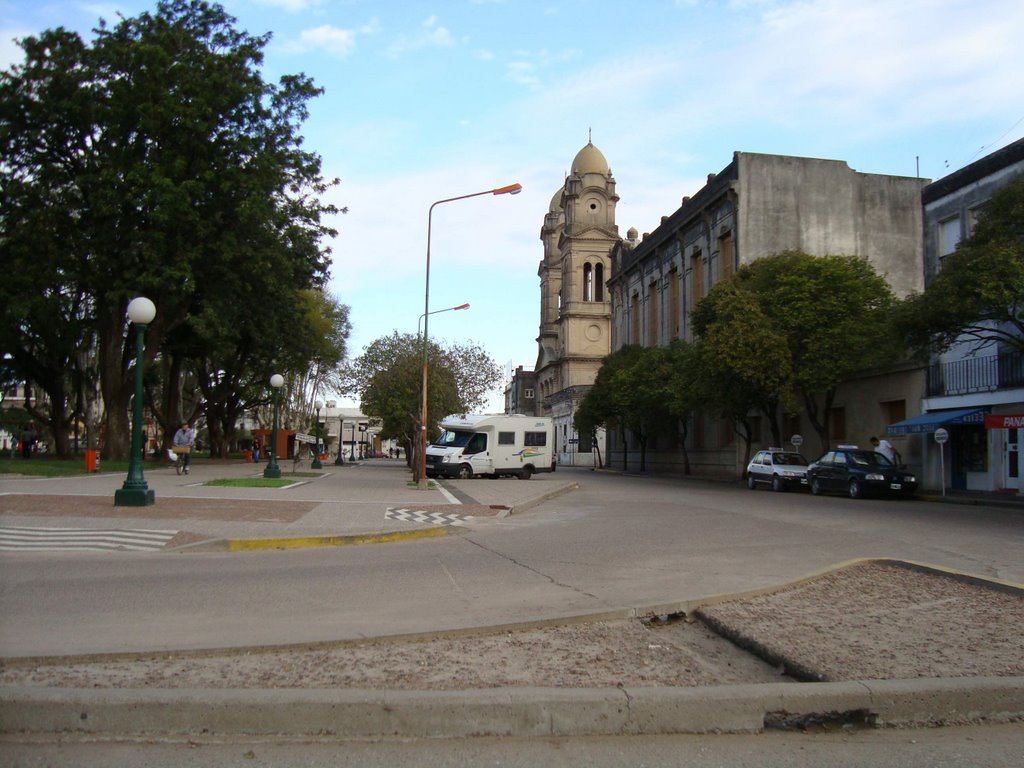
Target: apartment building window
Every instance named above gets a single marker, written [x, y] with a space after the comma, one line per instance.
[893, 411]
[949, 236]
[837, 424]
[673, 305]
[528, 393]
[725, 255]
[634, 319]
[652, 314]
[696, 277]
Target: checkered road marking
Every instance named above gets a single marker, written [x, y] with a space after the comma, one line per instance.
[419, 516]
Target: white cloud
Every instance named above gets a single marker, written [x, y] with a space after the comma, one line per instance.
[291, 6]
[334, 40]
[430, 35]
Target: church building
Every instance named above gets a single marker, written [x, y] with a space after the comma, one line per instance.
[578, 234]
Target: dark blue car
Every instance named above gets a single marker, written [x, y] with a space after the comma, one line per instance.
[859, 473]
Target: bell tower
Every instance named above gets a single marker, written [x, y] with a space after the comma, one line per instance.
[575, 332]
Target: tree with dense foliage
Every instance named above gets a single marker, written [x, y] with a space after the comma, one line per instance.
[388, 378]
[799, 325]
[742, 360]
[157, 161]
[633, 390]
[978, 295]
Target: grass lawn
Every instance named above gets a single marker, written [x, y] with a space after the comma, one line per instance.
[51, 466]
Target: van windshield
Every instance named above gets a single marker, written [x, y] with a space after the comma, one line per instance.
[453, 439]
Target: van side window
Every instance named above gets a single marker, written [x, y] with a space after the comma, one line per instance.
[506, 438]
[476, 444]
[535, 439]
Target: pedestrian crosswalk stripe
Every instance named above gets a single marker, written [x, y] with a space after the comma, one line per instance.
[92, 539]
[420, 516]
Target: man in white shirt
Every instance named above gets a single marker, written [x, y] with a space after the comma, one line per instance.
[885, 448]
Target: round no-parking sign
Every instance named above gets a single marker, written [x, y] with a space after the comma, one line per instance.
[941, 436]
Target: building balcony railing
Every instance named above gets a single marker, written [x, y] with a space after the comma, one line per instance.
[976, 374]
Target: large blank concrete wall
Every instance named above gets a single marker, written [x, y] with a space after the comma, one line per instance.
[823, 207]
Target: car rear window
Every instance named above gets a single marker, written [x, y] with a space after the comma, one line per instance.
[790, 458]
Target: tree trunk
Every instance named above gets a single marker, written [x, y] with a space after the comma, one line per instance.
[819, 418]
[169, 416]
[683, 434]
[115, 384]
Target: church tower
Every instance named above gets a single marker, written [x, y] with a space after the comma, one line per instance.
[578, 234]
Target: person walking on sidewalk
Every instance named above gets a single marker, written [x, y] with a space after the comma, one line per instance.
[185, 438]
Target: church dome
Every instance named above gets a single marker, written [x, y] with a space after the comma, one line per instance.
[556, 202]
[590, 160]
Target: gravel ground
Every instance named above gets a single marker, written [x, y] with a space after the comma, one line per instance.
[871, 621]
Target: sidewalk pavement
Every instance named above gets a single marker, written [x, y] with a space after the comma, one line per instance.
[351, 504]
[374, 500]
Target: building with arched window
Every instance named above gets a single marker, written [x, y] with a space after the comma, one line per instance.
[578, 234]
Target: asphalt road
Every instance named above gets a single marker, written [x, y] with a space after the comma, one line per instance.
[618, 541]
[995, 746]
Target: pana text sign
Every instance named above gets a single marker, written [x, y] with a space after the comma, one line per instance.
[1004, 421]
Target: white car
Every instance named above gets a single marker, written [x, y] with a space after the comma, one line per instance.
[778, 468]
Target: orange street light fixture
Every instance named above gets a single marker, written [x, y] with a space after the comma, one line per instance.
[449, 309]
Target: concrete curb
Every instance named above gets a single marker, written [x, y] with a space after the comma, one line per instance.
[302, 542]
[517, 508]
[363, 714]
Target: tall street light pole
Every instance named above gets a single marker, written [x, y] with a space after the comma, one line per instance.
[339, 459]
[272, 470]
[136, 492]
[511, 189]
[316, 457]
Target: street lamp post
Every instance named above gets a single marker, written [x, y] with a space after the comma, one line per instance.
[352, 454]
[272, 470]
[340, 460]
[316, 455]
[436, 311]
[511, 189]
[136, 492]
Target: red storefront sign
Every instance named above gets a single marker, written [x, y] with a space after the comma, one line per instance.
[1004, 421]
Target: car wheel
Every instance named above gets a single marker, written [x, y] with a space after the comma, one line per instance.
[816, 486]
[465, 472]
[525, 473]
[777, 485]
[751, 482]
[856, 489]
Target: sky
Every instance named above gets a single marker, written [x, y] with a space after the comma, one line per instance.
[429, 100]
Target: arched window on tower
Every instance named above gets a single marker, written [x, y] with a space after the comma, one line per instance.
[588, 282]
[599, 282]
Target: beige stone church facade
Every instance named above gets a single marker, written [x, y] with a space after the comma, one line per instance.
[578, 234]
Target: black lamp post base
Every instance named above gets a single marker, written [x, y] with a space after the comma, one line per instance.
[272, 472]
[134, 497]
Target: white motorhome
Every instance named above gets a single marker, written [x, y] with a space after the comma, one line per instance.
[492, 446]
